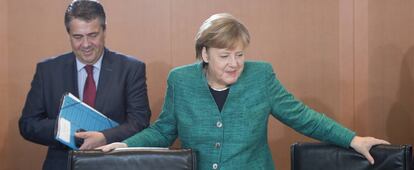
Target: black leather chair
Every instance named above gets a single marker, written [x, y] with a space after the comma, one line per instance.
[321, 156]
[126, 159]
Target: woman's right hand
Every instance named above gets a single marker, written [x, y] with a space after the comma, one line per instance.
[112, 146]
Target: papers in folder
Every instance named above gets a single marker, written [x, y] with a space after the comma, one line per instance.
[75, 115]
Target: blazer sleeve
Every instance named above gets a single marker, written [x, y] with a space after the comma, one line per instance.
[303, 119]
[163, 131]
[34, 124]
[137, 108]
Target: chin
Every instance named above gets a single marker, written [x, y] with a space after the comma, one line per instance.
[232, 81]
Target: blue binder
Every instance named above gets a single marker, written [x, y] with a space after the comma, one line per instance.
[75, 115]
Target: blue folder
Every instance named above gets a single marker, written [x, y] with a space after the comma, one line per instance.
[75, 115]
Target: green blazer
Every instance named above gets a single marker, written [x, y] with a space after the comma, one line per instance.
[235, 138]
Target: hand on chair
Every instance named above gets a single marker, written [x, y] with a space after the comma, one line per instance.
[112, 146]
[364, 144]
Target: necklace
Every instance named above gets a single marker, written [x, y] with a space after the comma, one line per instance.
[222, 89]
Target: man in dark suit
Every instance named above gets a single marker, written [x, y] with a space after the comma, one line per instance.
[112, 83]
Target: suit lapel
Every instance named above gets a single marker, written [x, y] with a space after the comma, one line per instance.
[71, 79]
[104, 80]
[233, 100]
[205, 91]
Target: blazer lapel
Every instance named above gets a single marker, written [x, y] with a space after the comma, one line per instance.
[104, 83]
[71, 79]
[233, 100]
[205, 91]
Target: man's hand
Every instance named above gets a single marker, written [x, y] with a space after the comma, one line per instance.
[364, 144]
[91, 139]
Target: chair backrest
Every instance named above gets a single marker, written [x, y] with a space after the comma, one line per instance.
[142, 159]
[321, 156]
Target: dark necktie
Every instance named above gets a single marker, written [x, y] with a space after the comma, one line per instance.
[89, 91]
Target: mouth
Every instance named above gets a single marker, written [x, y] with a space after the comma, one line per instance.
[232, 73]
[87, 52]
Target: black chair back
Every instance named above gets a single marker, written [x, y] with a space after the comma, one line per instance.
[321, 156]
[142, 159]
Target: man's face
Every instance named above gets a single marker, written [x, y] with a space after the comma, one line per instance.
[87, 39]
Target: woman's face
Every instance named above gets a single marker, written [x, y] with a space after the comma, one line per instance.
[224, 65]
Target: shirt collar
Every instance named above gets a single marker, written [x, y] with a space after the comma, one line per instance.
[97, 65]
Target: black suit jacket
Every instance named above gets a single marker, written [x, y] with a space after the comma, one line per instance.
[121, 96]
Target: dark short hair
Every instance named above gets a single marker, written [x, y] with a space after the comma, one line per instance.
[221, 31]
[86, 10]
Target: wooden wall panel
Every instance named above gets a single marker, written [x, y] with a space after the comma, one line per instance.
[4, 87]
[36, 31]
[298, 38]
[384, 72]
[352, 60]
[142, 29]
[346, 63]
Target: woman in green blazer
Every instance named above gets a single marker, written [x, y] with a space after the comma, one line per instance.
[220, 106]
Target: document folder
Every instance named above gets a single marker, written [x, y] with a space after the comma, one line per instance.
[74, 115]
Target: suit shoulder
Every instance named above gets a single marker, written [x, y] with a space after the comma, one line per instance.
[57, 60]
[126, 59]
[256, 71]
[188, 71]
[185, 69]
[258, 66]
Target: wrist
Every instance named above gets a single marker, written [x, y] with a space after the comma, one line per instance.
[354, 142]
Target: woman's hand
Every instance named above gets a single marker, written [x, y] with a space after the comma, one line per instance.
[364, 144]
[112, 146]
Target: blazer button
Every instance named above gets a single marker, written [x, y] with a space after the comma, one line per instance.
[217, 145]
[215, 166]
[219, 124]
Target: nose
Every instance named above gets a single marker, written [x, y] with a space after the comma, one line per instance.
[232, 60]
[85, 42]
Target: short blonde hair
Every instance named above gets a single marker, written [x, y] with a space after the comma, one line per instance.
[221, 31]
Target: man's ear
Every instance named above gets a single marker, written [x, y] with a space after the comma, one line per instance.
[204, 55]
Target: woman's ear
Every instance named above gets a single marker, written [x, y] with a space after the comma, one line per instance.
[204, 55]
